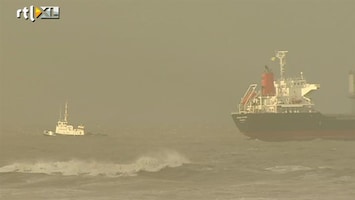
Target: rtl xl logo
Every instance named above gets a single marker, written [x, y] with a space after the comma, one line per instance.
[41, 12]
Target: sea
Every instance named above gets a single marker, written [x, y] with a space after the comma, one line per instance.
[202, 162]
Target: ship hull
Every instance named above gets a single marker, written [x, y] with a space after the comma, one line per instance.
[294, 126]
[60, 134]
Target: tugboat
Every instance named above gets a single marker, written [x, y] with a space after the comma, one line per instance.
[282, 110]
[64, 128]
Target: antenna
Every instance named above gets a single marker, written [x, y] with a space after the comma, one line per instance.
[281, 55]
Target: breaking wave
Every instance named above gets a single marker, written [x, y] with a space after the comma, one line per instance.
[153, 163]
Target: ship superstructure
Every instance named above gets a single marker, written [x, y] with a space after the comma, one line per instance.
[285, 95]
[64, 128]
[282, 109]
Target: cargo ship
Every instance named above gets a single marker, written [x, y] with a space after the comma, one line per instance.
[282, 110]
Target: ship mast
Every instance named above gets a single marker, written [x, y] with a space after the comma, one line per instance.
[66, 112]
[281, 55]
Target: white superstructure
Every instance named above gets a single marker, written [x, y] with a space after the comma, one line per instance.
[285, 95]
[64, 128]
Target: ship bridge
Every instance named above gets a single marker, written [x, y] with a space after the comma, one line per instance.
[279, 96]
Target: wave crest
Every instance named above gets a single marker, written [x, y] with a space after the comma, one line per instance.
[152, 163]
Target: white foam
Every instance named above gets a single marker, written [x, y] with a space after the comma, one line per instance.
[288, 168]
[152, 163]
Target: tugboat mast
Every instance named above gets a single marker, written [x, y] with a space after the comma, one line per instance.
[66, 112]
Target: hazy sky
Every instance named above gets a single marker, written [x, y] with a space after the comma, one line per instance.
[163, 62]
